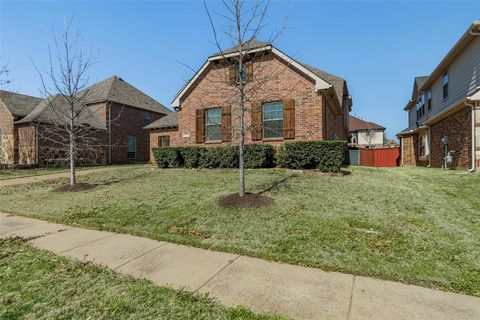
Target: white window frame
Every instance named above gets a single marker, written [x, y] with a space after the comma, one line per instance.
[212, 125]
[276, 119]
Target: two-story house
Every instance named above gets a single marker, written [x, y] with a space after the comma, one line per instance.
[443, 112]
[116, 112]
[363, 133]
[285, 100]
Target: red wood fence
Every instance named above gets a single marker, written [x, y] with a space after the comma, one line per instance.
[382, 157]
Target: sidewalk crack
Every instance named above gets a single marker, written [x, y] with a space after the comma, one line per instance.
[143, 254]
[84, 244]
[349, 314]
[216, 274]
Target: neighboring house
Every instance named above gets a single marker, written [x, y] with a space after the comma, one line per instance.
[362, 133]
[443, 113]
[13, 107]
[116, 110]
[300, 102]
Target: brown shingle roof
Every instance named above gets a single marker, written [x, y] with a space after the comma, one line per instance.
[116, 89]
[169, 121]
[18, 104]
[356, 124]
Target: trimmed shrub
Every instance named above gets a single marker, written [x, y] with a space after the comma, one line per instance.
[256, 156]
[167, 157]
[327, 156]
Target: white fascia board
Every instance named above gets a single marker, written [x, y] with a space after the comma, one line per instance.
[320, 84]
[475, 96]
[176, 100]
[233, 54]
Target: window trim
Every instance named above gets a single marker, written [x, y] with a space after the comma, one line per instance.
[161, 141]
[206, 125]
[447, 84]
[281, 136]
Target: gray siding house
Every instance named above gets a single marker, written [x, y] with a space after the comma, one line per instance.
[443, 113]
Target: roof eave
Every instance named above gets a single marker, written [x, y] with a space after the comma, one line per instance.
[472, 30]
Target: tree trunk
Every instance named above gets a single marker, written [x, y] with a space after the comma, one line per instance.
[72, 160]
[241, 190]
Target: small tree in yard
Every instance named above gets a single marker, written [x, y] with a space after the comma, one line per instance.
[243, 24]
[69, 126]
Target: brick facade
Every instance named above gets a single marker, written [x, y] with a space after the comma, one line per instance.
[7, 136]
[458, 128]
[155, 135]
[315, 117]
[409, 147]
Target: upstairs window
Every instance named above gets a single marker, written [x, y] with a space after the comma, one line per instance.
[147, 118]
[213, 123]
[422, 104]
[429, 100]
[445, 85]
[241, 73]
[272, 118]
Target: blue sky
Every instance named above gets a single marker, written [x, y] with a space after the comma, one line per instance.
[378, 47]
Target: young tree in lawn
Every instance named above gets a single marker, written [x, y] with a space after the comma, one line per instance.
[243, 22]
[71, 125]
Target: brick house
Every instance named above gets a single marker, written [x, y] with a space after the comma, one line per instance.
[117, 112]
[363, 133]
[444, 110]
[285, 100]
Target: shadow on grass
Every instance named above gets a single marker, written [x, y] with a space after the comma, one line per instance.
[277, 183]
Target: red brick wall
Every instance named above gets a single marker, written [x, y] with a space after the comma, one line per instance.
[6, 125]
[458, 128]
[129, 121]
[213, 90]
[173, 133]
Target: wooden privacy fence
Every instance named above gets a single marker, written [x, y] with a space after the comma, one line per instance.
[380, 157]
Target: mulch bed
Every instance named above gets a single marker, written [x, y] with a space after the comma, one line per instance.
[75, 188]
[249, 200]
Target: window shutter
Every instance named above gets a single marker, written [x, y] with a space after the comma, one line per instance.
[256, 115]
[289, 119]
[200, 125]
[226, 124]
[249, 67]
[231, 74]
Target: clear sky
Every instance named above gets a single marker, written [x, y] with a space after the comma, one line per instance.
[378, 47]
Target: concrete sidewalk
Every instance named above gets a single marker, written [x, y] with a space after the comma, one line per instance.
[299, 292]
[52, 176]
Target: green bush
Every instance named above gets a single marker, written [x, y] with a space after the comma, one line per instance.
[255, 156]
[327, 156]
[167, 157]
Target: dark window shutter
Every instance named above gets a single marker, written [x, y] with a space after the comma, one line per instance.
[226, 124]
[231, 74]
[256, 115]
[249, 67]
[159, 142]
[289, 119]
[200, 125]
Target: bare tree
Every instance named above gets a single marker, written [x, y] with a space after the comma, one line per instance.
[4, 75]
[242, 23]
[69, 124]
[370, 135]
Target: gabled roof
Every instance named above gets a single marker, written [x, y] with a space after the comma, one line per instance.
[462, 43]
[18, 104]
[357, 124]
[417, 83]
[169, 121]
[54, 110]
[323, 80]
[117, 90]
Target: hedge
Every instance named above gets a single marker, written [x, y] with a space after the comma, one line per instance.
[256, 156]
[327, 156]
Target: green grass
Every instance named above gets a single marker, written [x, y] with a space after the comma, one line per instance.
[415, 225]
[35, 284]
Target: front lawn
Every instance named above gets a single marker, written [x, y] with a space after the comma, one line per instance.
[35, 284]
[20, 173]
[416, 225]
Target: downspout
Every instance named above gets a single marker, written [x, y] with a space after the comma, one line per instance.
[429, 148]
[473, 168]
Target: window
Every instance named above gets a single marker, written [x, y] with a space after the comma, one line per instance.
[352, 138]
[164, 141]
[422, 104]
[272, 116]
[445, 85]
[213, 123]
[423, 148]
[131, 147]
[241, 73]
[429, 100]
[147, 118]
